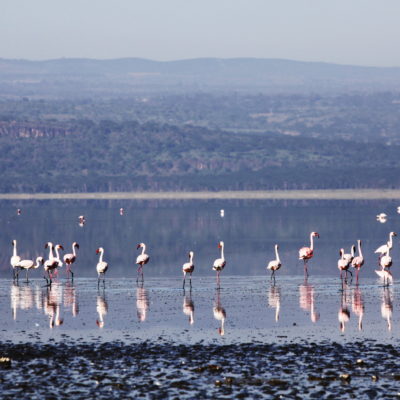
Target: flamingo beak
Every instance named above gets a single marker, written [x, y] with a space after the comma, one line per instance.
[62, 248]
[97, 251]
[46, 246]
[138, 246]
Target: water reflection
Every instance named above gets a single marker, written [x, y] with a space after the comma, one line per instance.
[357, 305]
[142, 303]
[22, 298]
[71, 298]
[387, 306]
[51, 304]
[101, 307]
[188, 306]
[219, 312]
[307, 302]
[344, 312]
[274, 299]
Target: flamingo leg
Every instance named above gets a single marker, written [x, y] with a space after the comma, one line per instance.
[27, 276]
[190, 281]
[305, 269]
[72, 275]
[184, 280]
[218, 282]
[273, 275]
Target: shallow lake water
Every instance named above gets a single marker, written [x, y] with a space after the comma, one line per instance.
[318, 337]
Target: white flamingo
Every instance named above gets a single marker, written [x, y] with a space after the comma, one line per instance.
[358, 261]
[188, 268]
[343, 264]
[385, 247]
[305, 253]
[70, 258]
[15, 259]
[219, 263]
[101, 266]
[274, 265]
[51, 264]
[141, 259]
[29, 264]
[386, 261]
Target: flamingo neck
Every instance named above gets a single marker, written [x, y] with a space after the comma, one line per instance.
[14, 249]
[51, 256]
[277, 254]
[56, 251]
[73, 251]
[222, 252]
[191, 258]
[311, 242]
[390, 243]
[359, 248]
[101, 256]
[143, 249]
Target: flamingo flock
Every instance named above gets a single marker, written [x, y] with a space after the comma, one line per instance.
[345, 263]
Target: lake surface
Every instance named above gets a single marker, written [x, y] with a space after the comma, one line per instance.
[248, 307]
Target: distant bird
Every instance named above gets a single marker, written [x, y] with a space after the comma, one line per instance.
[358, 261]
[101, 266]
[188, 268]
[385, 247]
[70, 258]
[222, 213]
[29, 264]
[81, 220]
[141, 260]
[15, 259]
[343, 264]
[381, 215]
[219, 263]
[398, 210]
[305, 253]
[19, 211]
[274, 265]
[121, 211]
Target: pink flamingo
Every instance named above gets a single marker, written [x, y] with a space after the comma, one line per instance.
[358, 261]
[141, 259]
[188, 268]
[274, 265]
[101, 267]
[343, 264]
[219, 263]
[305, 253]
[70, 258]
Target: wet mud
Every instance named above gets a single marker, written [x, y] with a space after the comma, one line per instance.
[325, 370]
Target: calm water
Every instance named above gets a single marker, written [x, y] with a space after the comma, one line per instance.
[247, 308]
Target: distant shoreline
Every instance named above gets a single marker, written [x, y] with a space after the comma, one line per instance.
[334, 194]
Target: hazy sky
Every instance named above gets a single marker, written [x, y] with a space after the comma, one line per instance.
[360, 32]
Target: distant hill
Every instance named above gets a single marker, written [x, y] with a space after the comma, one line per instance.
[119, 77]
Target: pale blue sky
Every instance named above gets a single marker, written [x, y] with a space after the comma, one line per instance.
[360, 32]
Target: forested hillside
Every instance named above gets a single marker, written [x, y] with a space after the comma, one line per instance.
[111, 156]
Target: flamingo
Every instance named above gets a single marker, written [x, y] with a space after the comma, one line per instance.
[51, 264]
[121, 211]
[385, 247]
[358, 262]
[274, 265]
[219, 263]
[29, 264]
[15, 259]
[343, 263]
[188, 268]
[70, 258]
[141, 259]
[305, 253]
[386, 261]
[101, 267]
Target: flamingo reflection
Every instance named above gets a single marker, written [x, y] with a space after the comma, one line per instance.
[188, 307]
[344, 312]
[387, 306]
[219, 313]
[101, 307]
[51, 306]
[142, 303]
[307, 302]
[274, 299]
[21, 298]
[71, 299]
[357, 305]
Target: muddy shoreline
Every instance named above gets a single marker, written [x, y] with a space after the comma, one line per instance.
[163, 369]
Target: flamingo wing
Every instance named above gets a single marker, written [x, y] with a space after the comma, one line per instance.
[305, 253]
